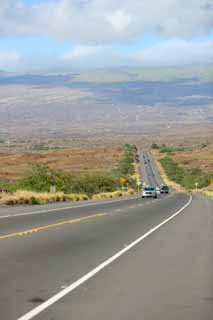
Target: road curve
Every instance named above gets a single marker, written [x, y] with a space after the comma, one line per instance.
[166, 277]
[154, 260]
[36, 265]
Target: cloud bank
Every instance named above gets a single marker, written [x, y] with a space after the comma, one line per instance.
[97, 27]
[106, 21]
[176, 52]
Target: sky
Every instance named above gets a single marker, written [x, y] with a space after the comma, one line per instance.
[74, 34]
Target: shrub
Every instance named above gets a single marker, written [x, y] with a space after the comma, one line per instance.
[95, 184]
[166, 149]
[125, 166]
[187, 178]
[42, 178]
[155, 146]
[70, 188]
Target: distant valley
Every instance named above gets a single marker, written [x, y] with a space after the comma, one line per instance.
[105, 104]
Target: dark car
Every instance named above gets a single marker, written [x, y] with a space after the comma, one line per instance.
[164, 189]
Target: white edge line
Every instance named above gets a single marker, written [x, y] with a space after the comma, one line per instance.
[65, 208]
[31, 314]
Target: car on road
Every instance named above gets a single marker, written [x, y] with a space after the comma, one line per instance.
[164, 189]
[149, 192]
[158, 190]
[137, 158]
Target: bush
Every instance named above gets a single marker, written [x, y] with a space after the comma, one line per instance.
[187, 178]
[8, 186]
[70, 188]
[155, 146]
[42, 178]
[125, 166]
[166, 149]
[95, 184]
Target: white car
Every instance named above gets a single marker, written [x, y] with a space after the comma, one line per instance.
[158, 190]
[149, 192]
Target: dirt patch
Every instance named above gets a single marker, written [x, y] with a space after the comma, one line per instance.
[87, 159]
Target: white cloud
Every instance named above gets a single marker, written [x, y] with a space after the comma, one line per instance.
[167, 53]
[96, 25]
[106, 21]
[9, 59]
[119, 20]
[176, 52]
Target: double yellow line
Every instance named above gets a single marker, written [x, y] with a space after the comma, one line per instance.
[50, 226]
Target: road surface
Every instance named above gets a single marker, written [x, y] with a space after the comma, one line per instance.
[149, 172]
[130, 259]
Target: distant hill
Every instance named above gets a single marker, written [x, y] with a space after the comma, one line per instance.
[96, 103]
[114, 75]
[202, 72]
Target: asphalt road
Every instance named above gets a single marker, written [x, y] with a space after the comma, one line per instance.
[149, 171]
[166, 274]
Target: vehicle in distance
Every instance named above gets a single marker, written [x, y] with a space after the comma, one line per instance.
[164, 189]
[158, 190]
[137, 158]
[149, 192]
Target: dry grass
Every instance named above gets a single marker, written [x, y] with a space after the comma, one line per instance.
[196, 157]
[115, 194]
[28, 197]
[208, 193]
[79, 160]
[193, 157]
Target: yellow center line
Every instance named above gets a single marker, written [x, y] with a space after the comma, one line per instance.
[50, 226]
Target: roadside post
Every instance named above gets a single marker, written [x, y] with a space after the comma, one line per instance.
[53, 189]
[139, 184]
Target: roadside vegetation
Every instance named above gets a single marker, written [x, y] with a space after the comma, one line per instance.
[187, 177]
[165, 149]
[33, 198]
[44, 184]
[125, 166]
[208, 193]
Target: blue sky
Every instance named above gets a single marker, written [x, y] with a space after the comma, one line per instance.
[41, 34]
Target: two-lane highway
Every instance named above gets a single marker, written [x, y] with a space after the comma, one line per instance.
[149, 171]
[128, 259]
[42, 253]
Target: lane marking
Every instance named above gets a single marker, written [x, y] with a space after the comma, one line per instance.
[66, 208]
[50, 226]
[43, 306]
